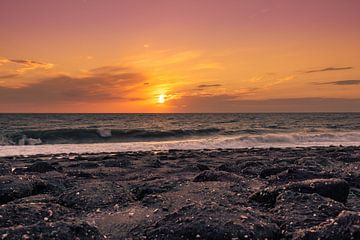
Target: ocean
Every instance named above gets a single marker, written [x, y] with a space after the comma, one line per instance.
[25, 134]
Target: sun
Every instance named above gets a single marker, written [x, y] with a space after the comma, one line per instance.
[161, 98]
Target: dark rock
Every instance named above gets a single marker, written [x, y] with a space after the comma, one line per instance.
[85, 165]
[266, 196]
[155, 163]
[346, 226]
[336, 189]
[202, 167]
[30, 213]
[95, 194]
[297, 174]
[163, 157]
[295, 210]
[120, 163]
[41, 167]
[52, 231]
[221, 176]
[81, 174]
[141, 190]
[14, 187]
[333, 188]
[5, 169]
[272, 171]
[213, 223]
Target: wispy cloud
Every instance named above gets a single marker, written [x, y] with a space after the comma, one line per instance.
[209, 85]
[7, 76]
[269, 80]
[342, 82]
[26, 65]
[31, 65]
[329, 69]
[102, 84]
[233, 103]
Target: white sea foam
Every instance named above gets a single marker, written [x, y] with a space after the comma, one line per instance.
[244, 141]
[29, 141]
[105, 133]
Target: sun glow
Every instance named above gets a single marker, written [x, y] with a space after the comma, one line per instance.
[161, 98]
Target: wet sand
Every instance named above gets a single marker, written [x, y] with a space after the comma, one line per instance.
[290, 193]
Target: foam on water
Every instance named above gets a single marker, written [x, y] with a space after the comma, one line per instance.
[244, 141]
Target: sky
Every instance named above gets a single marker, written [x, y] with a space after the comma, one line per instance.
[179, 56]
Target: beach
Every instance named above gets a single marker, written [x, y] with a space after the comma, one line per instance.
[248, 193]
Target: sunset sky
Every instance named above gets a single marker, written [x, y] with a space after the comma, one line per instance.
[179, 55]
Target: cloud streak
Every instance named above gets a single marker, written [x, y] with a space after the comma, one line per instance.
[98, 85]
[232, 103]
[329, 69]
[341, 82]
[7, 76]
[26, 65]
[209, 85]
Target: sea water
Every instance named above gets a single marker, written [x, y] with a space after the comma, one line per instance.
[26, 134]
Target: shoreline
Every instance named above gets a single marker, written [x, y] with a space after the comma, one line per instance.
[187, 144]
[256, 193]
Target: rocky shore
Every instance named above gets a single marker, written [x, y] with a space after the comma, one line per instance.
[292, 193]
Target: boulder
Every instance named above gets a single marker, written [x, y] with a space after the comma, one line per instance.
[95, 194]
[52, 231]
[213, 223]
[221, 176]
[346, 226]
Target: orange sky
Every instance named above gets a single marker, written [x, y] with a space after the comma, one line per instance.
[179, 56]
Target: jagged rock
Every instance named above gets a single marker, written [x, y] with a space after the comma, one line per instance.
[30, 213]
[41, 167]
[295, 210]
[213, 223]
[52, 231]
[14, 187]
[333, 188]
[346, 226]
[212, 175]
[336, 189]
[94, 195]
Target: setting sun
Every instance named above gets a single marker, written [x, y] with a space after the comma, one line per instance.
[161, 98]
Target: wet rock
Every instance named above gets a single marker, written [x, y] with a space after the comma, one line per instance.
[30, 213]
[202, 167]
[14, 187]
[5, 168]
[212, 175]
[297, 174]
[95, 194]
[80, 174]
[272, 171]
[346, 226]
[333, 188]
[85, 165]
[336, 189]
[266, 196]
[120, 163]
[155, 163]
[213, 222]
[39, 198]
[141, 190]
[52, 231]
[295, 210]
[41, 167]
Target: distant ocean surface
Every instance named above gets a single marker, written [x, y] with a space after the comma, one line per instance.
[63, 133]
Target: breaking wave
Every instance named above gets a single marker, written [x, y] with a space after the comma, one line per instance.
[75, 136]
[214, 142]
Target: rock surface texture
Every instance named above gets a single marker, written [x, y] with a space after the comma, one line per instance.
[292, 193]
